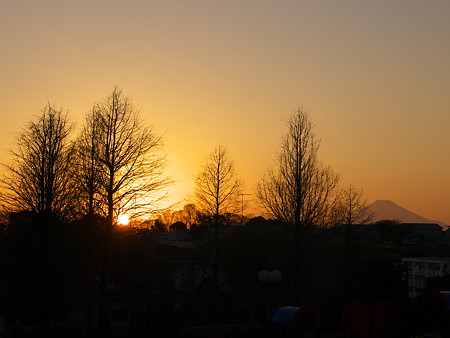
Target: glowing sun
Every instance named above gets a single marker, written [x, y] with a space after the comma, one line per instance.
[123, 220]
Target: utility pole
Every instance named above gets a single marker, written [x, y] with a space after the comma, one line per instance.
[242, 204]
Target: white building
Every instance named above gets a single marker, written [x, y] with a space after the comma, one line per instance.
[422, 268]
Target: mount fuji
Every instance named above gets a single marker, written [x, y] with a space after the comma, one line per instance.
[385, 209]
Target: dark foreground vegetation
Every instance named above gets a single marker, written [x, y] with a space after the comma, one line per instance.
[161, 283]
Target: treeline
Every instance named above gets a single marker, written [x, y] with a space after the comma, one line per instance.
[116, 166]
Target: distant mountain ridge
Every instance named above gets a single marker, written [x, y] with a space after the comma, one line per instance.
[385, 209]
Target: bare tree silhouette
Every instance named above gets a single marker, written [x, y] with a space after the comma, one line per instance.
[124, 173]
[299, 188]
[351, 207]
[217, 191]
[217, 185]
[38, 177]
[38, 192]
[120, 160]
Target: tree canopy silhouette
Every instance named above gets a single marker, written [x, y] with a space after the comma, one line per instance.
[299, 188]
[122, 172]
[217, 192]
[351, 207]
[217, 185]
[120, 161]
[38, 178]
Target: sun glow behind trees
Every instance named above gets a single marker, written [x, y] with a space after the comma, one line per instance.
[123, 220]
[366, 98]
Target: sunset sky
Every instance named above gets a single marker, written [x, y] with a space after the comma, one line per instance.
[375, 76]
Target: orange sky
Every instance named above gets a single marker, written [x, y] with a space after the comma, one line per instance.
[374, 75]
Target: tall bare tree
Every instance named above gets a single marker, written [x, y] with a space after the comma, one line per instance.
[218, 187]
[299, 188]
[351, 207]
[124, 174]
[38, 177]
[38, 187]
[217, 192]
[121, 162]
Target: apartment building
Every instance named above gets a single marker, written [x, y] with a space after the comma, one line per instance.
[419, 269]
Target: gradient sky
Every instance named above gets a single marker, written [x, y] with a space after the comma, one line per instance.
[375, 76]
